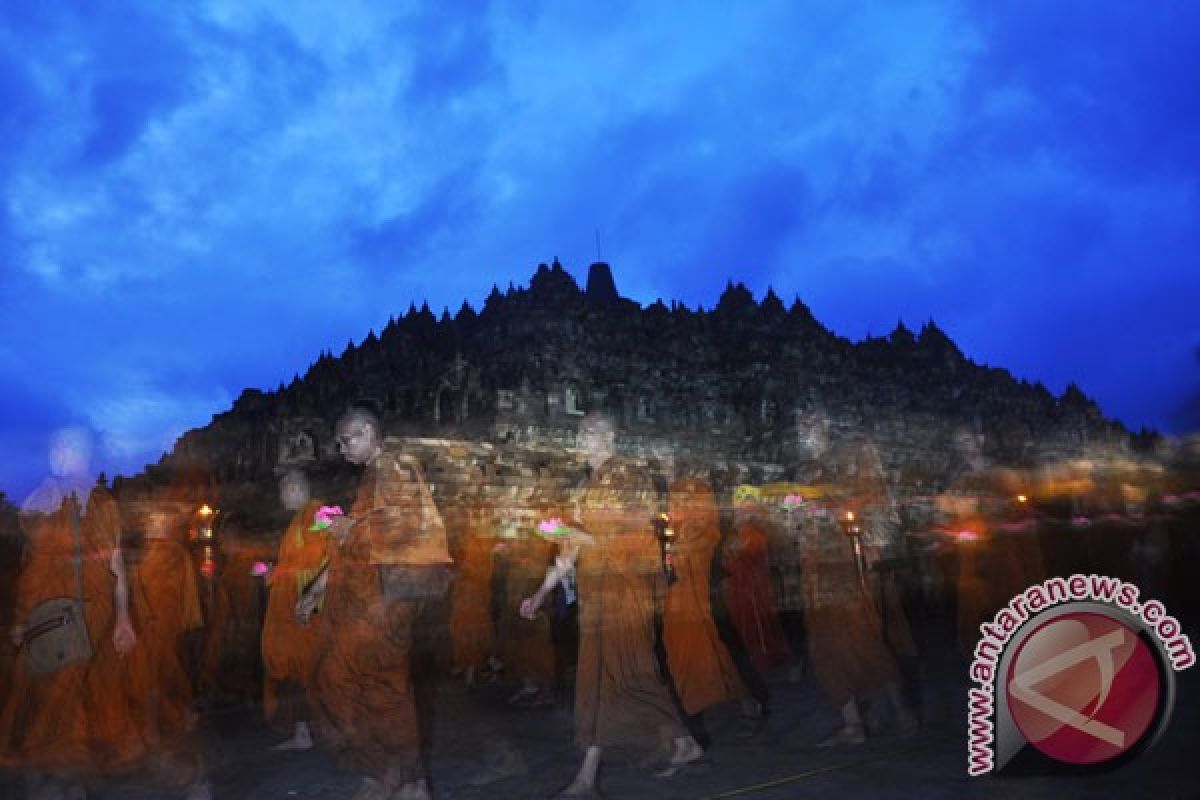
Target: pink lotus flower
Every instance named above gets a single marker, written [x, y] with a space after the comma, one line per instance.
[553, 527]
[324, 517]
[793, 502]
[259, 569]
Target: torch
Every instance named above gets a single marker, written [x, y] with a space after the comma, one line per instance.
[666, 539]
[853, 530]
[203, 531]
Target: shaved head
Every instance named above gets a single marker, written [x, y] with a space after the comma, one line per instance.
[359, 435]
[356, 415]
[597, 437]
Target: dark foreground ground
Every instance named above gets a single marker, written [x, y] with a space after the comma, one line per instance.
[782, 762]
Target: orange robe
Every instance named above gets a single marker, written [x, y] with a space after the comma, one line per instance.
[363, 682]
[620, 697]
[700, 665]
[289, 649]
[845, 638]
[472, 630]
[747, 591]
[65, 722]
[165, 606]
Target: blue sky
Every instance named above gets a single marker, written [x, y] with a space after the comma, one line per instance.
[199, 197]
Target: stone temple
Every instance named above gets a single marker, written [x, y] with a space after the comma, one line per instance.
[494, 395]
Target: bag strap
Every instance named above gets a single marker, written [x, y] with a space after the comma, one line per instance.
[78, 560]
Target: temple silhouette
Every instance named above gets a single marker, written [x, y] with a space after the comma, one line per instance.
[497, 393]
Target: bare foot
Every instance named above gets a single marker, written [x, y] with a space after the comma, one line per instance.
[687, 750]
[294, 743]
[688, 755]
[852, 736]
[301, 740]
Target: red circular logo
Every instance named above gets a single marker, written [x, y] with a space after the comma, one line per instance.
[1083, 688]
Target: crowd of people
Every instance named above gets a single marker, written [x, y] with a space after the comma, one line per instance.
[656, 594]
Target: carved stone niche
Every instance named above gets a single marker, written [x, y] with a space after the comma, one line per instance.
[298, 444]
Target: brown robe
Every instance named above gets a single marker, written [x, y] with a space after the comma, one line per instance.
[165, 606]
[854, 471]
[699, 663]
[289, 649]
[363, 682]
[620, 697]
[747, 592]
[845, 638]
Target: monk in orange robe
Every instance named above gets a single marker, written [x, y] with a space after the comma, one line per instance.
[747, 590]
[472, 629]
[166, 607]
[620, 698]
[846, 645]
[391, 560]
[289, 648]
[48, 724]
[700, 665]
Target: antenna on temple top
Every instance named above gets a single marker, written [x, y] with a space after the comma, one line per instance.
[598, 258]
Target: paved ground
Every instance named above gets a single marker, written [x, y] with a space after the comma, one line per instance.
[780, 763]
